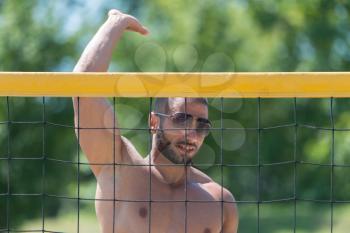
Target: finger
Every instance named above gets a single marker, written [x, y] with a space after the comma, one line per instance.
[135, 25]
[143, 30]
[139, 28]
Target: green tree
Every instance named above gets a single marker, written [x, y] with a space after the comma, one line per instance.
[31, 40]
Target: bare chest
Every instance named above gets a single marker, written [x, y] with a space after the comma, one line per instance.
[141, 204]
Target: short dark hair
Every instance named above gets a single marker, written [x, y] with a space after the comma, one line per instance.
[161, 105]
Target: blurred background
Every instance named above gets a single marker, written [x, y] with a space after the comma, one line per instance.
[275, 150]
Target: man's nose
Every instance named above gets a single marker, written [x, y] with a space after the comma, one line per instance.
[191, 132]
[191, 138]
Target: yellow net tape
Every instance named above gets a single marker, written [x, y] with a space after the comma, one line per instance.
[227, 85]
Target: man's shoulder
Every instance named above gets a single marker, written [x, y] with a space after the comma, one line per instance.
[215, 189]
[229, 205]
[219, 192]
[199, 176]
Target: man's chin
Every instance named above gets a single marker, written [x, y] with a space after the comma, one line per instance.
[183, 157]
[177, 158]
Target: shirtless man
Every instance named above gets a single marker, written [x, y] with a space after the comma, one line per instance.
[170, 196]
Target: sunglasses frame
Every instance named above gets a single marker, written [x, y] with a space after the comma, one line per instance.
[204, 132]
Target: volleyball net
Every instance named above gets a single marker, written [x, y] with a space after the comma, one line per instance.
[279, 142]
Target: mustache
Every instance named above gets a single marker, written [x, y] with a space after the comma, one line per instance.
[166, 143]
[186, 143]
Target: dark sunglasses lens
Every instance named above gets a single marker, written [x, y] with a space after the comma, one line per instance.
[203, 128]
[181, 118]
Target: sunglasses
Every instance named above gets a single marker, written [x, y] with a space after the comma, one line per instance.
[183, 120]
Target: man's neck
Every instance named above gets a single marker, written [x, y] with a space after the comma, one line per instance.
[170, 173]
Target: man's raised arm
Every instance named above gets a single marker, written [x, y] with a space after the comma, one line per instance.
[97, 113]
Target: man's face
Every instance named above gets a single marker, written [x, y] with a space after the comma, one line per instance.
[176, 144]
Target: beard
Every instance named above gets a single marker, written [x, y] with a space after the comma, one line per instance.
[164, 147]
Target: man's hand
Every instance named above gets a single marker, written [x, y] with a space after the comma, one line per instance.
[130, 22]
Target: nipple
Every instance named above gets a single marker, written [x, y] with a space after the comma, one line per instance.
[143, 212]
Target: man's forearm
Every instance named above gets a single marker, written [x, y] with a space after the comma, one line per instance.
[96, 58]
[98, 53]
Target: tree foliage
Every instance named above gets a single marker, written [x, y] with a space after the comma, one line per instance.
[31, 40]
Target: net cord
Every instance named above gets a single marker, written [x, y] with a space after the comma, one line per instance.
[258, 201]
[222, 162]
[78, 173]
[8, 194]
[43, 198]
[150, 170]
[295, 165]
[332, 163]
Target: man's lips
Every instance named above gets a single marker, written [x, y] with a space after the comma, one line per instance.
[186, 148]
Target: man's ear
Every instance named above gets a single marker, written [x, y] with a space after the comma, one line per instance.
[153, 122]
